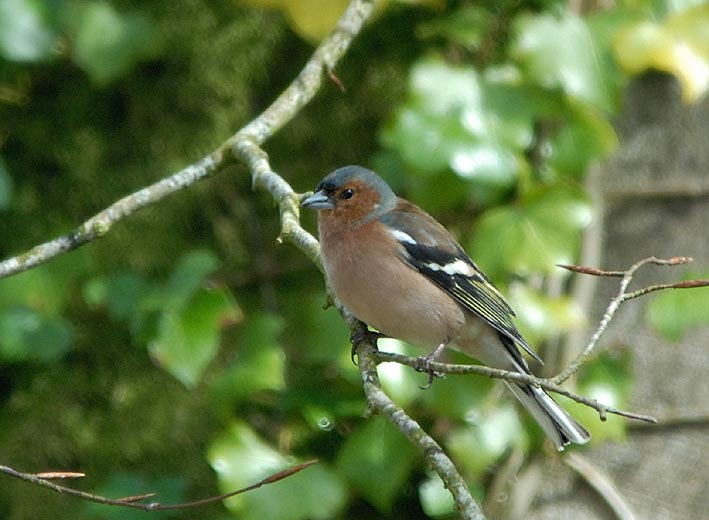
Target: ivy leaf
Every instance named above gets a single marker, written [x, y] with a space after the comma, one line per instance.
[585, 137]
[28, 335]
[188, 276]
[259, 367]
[561, 53]
[458, 398]
[188, 318]
[25, 34]
[109, 44]
[467, 26]
[455, 129]
[435, 499]
[377, 459]
[312, 20]
[398, 381]
[188, 339]
[241, 458]
[492, 433]
[541, 317]
[534, 236]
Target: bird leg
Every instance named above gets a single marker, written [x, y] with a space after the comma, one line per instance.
[423, 364]
[361, 335]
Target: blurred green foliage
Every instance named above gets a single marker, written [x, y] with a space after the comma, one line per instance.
[186, 352]
[674, 313]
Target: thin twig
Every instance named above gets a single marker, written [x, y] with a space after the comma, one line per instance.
[547, 384]
[688, 284]
[101, 223]
[134, 501]
[622, 296]
[678, 420]
[601, 483]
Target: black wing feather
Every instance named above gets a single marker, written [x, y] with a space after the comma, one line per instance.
[432, 248]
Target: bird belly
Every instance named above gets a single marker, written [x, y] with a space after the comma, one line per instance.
[400, 303]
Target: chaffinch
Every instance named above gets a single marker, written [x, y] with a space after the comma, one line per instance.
[401, 272]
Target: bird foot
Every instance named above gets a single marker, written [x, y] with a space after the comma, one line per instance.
[363, 335]
[423, 364]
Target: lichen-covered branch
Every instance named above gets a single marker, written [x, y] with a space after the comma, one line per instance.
[379, 402]
[242, 146]
[101, 223]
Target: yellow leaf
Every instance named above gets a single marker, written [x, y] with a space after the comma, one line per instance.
[311, 19]
[679, 46]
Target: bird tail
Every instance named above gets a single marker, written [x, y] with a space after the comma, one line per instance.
[559, 426]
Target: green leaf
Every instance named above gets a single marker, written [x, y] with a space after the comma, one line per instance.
[586, 137]
[467, 26]
[673, 312]
[534, 236]
[435, 499]
[240, 458]
[188, 339]
[25, 34]
[453, 128]
[122, 294]
[45, 288]
[109, 44]
[399, 381]
[27, 335]
[561, 53]
[6, 184]
[259, 366]
[541, 317]
[312, 20]
[188, 276]
[458, 398]
[377, 459]
[486, 439]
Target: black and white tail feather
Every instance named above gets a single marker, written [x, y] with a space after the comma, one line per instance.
[558, 425]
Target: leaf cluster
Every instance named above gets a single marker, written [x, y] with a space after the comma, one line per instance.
[188, 350]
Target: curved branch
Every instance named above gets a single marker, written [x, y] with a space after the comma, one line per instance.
[135, 502]
[496, 373]
[242, 146]
[364, 345]
[101, 223]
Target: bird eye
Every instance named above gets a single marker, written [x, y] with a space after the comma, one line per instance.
[347, 194]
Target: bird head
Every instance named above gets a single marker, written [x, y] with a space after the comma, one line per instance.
[353, 194]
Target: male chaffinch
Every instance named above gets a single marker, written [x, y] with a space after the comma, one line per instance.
[401, 272]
